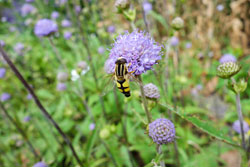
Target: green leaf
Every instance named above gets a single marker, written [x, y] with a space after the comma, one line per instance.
[159, 18]
[91, 143]
[206, 127]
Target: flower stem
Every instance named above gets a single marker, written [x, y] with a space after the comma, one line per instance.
[21, 131]
[39, 104]
[240, 116]
[159, 151]
[144, 101]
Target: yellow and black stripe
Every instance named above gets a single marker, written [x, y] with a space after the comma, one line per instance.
[121, 72]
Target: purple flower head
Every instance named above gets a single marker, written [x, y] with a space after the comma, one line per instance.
[61, 86]
[5, 97]
[174, 41]
[138, 48]
[54, 15]
[78, 9]
[27, 9]
[67, 35]
[29, 96]
[162, 131]
[2, 72]
[188, 45]
[92, 126]
[220, 7]
[101, 50]
[2, 43]
[19, 47]
[151, 91]
[26, 119]
[147, 7]
[62, 2]
[236, 126]
[111, 29]
[29, 1]
[40, 164]
[227, 58]
[45, 27]
[66, 23]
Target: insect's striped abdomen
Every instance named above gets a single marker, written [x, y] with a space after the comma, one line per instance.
[123, 86]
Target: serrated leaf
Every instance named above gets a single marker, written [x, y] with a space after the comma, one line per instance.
[205, 126]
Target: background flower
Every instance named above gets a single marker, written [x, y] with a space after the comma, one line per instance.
[5, 97]
[66, 23]
[45, 27]
[2, 72]
[236, 127]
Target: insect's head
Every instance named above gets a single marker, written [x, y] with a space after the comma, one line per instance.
[121, 60]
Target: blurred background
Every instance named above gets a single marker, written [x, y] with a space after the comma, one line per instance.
[66, 69]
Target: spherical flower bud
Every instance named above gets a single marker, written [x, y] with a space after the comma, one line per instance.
[139, 49]
[228, 69]
[220, 7]
[174, 41]
[27, 9]
[62, 76]
[236, 127]
[188, 45]
[61, 86]
[101, 50]
[67, 35]
[111, 29]
[54, 15]
[147, 7]
[66, 23]
[151, 91]
[5, 97]
[227, 58]
[26, 119]
[40, 164]
[104, 133]
[2, 72]
[92, 126]
[45, 27]
[177, 23]
[121, 5]
[162, 131]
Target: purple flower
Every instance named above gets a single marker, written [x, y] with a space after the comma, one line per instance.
[227, 58]
[19, 48]
[67, 35]
[151, 91]
[236, 126]
[220, 7]
[111, 29]
[27, 9]
[2, 43]
[62, 76]
[61, 2]
[162, 131]
[78, 9]
[61, 86]
[26, 119]
[12, 28]
[45, 27]
[2, 72]
[5, 97]
[66, 23]
[188, 45]
[147, 7]
[92, 126]
[54, 15]
[29, 96]
[40, 164]
[101, 50]
[138, 48]
[29, 1]
[174, 41]
[109, 66]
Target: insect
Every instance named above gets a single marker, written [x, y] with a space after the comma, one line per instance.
[121, 76]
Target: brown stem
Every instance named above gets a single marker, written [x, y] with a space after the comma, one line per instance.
[39, 104]
[20, 130]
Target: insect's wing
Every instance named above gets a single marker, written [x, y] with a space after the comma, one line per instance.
[108, 83]
[134, 80]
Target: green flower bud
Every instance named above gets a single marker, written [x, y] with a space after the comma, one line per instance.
[240, 87]
[227, 69]
[121, 5]
[104, 133]
[130, 14]
[177, 23]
